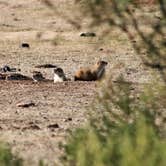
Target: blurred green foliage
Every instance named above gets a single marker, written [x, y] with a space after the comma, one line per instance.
[7, 158]
[121, 131]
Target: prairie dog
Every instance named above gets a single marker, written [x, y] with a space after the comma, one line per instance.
[37, 76]
[59, 75]
[92, 73]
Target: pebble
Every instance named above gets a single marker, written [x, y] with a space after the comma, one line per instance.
[26, 104]
[88, 34]
[25, 45]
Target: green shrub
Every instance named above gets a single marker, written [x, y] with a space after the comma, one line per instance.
[129, 137]
[7, 158]
[132, 145]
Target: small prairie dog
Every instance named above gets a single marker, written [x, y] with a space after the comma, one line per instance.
[37, 76]
[59, 75]
[93, 73]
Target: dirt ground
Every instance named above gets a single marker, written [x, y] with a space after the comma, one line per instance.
[34, 132]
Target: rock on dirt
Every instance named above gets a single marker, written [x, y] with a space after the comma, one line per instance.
[53, 126]
[46, 66]
[88, 34]
[25, 45]
[26, 104]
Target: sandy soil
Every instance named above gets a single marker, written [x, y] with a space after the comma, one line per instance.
[29, 131]
[35, 132]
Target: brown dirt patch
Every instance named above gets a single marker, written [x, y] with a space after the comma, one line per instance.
[28, 129]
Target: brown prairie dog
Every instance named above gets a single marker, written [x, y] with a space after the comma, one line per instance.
[93, 73]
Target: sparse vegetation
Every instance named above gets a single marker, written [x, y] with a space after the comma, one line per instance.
[7, 158]
[122, 132]
[126, 130]
[127, 124]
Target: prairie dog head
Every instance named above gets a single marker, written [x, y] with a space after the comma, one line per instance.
[59, 71]
[59, 75]
[101, 64]
[100, 68]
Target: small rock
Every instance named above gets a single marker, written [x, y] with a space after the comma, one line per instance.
[32, 127]
[53, 126]
[88, 34]
[131, 70]
[53, 135]
[17, 76]
[132, 88]
[44, 117]
[68, 119]
[101, 49]
[26, 105]
[25, 45]
[46, 66]
[2, 76]
[16, 19]
[16, 112]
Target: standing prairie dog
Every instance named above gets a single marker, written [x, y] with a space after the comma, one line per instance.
[93, 73]
[59, 75]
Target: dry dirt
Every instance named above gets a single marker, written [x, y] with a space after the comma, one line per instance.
[62, 105]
